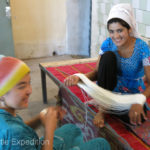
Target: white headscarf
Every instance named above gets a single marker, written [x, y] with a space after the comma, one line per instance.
[124, 11]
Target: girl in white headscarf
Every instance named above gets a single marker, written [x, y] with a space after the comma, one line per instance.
[124, 59]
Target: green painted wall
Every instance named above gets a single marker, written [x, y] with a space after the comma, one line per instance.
[6, 40]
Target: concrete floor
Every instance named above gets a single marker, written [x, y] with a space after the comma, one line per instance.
[36, 101]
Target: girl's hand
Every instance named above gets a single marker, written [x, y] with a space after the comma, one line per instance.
[99, 120]
[61, 112]
[71, 80]
[136, 113]
[51, 115]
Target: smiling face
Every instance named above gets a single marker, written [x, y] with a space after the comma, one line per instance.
[119, 34]
[18, 96]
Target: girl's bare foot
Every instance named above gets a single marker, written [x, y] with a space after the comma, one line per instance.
[99, 120]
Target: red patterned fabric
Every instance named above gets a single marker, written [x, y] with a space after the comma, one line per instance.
[62, 72]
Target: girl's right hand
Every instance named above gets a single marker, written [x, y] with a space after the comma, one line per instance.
[49, 117]
[71, 80]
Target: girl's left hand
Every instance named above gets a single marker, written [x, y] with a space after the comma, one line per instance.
[61, 112]
[136, 113]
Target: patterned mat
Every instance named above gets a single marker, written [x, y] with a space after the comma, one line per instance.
[132, 136]
[142, 131]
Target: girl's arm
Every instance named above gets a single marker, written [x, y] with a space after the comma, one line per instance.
[147, 76]
[93, 74]
[34, 122]
[73, 79]
[49, 118]
[136, 110]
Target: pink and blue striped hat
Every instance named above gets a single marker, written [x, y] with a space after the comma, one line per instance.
[12, 70]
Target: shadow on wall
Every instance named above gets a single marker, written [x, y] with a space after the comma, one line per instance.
[78, 27]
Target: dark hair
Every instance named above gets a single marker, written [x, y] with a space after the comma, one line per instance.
[115, 20]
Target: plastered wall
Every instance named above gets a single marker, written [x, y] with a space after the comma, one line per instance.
[39, 27]
[78, 27]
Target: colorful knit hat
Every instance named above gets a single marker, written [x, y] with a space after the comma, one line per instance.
[12, 70]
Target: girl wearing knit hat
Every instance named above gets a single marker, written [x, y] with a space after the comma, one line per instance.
[15, 90]
[123, 60]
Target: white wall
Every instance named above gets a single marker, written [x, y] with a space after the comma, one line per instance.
[39, 27]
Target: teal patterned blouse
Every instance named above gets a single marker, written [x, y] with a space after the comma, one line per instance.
[16, 135]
